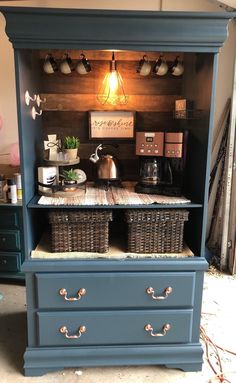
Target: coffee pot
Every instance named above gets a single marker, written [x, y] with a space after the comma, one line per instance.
[107, 165]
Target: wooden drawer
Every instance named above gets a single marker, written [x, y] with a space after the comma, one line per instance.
[9, 240]
[114, 327]
[8, 218]
[10, 262]
[107, 290]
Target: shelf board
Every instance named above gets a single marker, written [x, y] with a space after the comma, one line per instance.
[117, 250]
[33, 204]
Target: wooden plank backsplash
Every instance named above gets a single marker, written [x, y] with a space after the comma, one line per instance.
[69, 98]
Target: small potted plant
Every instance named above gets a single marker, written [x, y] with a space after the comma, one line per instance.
[70, 177]
[70, 146]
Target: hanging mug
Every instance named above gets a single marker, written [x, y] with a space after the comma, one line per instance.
[161, 67]
[66, 64]
[83, 66]
[144, 67]
[177, 68]
[50, 65]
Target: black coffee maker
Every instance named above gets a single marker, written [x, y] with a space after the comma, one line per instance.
[161, 163]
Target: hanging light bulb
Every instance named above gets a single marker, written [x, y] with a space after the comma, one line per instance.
[112, 89]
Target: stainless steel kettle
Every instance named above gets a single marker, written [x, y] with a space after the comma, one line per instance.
[107, 165]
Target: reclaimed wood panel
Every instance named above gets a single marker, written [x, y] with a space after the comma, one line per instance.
[77, 84]
[76, 123]
[85, 102]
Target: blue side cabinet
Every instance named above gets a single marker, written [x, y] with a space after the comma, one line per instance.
[110, 312]
[11, 242]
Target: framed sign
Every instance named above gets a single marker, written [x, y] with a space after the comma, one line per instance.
[111, 124]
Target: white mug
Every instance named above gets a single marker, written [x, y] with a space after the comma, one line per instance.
[161, 67]
[66, 65]
[83, 66]
[177, 68]
[144, 67]
[50, 65]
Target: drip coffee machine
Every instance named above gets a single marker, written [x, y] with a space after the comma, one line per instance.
[161, 162]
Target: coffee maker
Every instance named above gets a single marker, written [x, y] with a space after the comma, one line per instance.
[161, 162]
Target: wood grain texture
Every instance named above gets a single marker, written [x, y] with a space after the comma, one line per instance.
[85, 102]
[133, 85]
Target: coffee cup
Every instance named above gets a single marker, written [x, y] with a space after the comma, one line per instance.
[144, 66]
[83, 66]
[50, 65]
[66, 66]
[161, 67]
[177, 68]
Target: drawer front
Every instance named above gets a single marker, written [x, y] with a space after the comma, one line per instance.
[9, 218]
[113, 327]
[10, 262]
[9, 240]
[111, 290]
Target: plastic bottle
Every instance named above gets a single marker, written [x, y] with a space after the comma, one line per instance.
[12, 191]
[17, 178]
[2, 183]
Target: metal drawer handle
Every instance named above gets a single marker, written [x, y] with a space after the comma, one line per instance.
[80, 293]
[64, 330]
[166, 293]
[165, 328]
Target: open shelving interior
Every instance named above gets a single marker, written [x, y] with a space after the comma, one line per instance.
[65, 112]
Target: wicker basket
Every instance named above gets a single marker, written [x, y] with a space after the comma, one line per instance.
[80, 230]
[155, 231]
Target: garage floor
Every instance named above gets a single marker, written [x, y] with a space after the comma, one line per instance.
[218, 319]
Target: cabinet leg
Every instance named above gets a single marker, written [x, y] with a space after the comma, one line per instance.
[187, 367]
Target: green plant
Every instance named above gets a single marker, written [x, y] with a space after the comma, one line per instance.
[70, 175]
[71, 142]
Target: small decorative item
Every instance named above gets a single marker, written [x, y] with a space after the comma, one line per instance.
[47, 177]
[184, 109]
[53, 144]
[111, 124]
[73, 180]
[70, 147]
[70, 176]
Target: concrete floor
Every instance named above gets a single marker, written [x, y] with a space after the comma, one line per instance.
[218, 319]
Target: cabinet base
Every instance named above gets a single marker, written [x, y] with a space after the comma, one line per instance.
[39, 361]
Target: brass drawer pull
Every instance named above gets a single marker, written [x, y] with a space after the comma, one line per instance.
[80, 293]
[165, 328]
[64, 330]
[166, 293]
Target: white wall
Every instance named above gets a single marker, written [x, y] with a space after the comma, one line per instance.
[9, 135]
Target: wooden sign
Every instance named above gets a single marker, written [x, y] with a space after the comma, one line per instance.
[111, 124]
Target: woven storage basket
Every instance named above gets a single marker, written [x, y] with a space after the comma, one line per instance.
[80, 230]
[155, 231]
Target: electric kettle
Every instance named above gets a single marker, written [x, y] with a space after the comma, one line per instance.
[107, 165]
